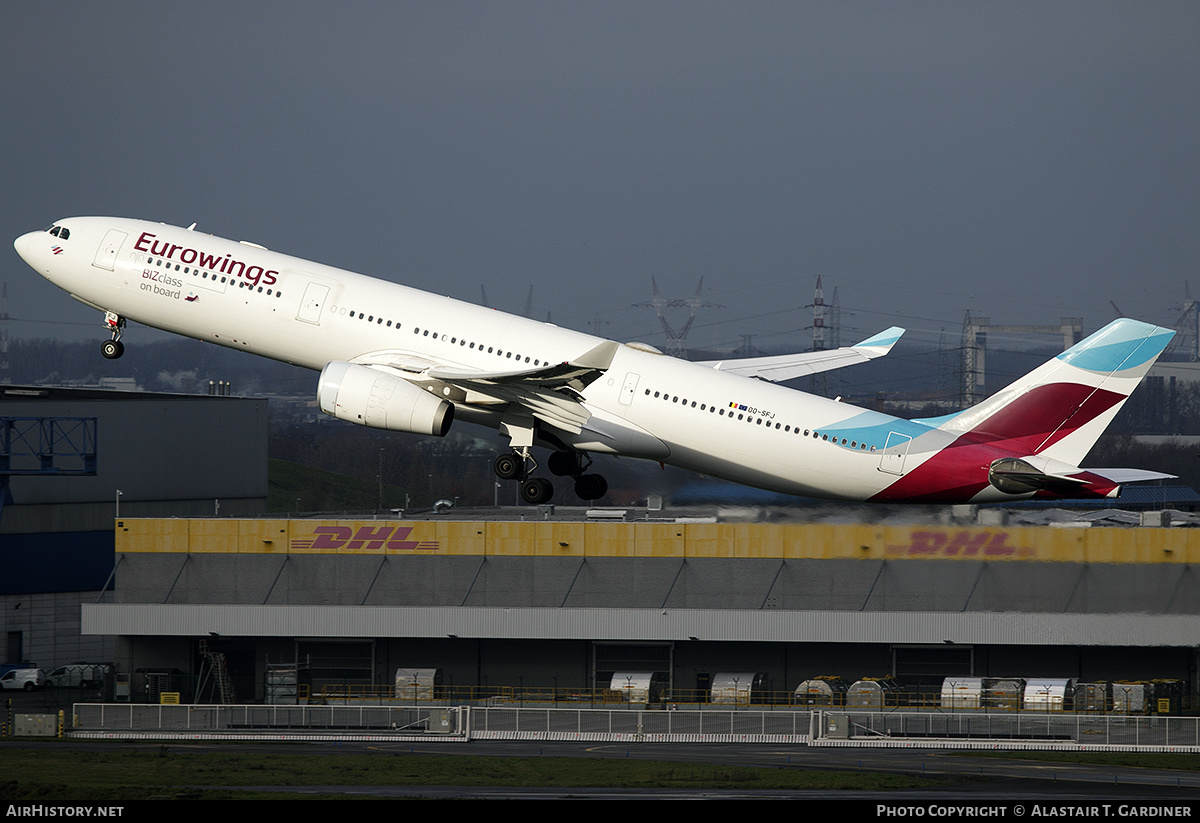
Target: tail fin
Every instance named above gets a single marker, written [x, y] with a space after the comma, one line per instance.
[1062, 407]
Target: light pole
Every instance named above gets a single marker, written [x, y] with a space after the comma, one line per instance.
[118, 514]
[380, 508]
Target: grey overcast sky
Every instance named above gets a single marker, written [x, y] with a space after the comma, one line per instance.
[1024, 160]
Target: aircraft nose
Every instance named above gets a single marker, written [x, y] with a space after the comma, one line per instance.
[24, 246]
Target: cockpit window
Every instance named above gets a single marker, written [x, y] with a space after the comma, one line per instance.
[61, 232]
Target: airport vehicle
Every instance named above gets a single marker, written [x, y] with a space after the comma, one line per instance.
[396, 358]
[79, 675]
[27, 679]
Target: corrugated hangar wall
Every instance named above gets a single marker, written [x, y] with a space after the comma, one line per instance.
[694, 583]
[626, 565]
[493, 602]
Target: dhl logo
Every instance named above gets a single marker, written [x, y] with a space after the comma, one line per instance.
[366, 538]
[964, 543]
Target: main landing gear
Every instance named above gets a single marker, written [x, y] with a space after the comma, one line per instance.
[114, 348]
[518, 465]
[571, 464]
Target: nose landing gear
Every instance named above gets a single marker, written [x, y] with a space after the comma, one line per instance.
[114, 348]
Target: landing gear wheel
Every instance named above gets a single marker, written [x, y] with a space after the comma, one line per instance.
[563, 464]
[509, 467]
[536, 491]
[115, 324]
[591, 486]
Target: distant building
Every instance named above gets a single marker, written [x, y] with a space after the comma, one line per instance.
[164, 455]
[569, 601]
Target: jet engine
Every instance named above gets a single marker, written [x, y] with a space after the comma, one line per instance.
[370, 397]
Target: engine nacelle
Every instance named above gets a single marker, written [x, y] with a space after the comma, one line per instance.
[370, 397]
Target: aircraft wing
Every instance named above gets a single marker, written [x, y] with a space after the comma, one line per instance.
[549, 393]
[787, 366]
[575, 374]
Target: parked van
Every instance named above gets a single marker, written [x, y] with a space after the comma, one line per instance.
[79, 675]
[27, 679]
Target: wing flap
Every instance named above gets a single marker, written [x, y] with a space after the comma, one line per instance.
[556, 410]
[576, 373]
[549, 393]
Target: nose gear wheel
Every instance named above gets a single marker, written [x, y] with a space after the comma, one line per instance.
[114, 348]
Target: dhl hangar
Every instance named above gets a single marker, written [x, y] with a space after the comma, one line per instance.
[524, 596]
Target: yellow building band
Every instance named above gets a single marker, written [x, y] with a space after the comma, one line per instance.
[690, 540]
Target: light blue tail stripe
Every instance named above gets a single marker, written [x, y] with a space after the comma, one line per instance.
[1139, 345]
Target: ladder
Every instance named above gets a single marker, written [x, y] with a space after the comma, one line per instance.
[215, 663]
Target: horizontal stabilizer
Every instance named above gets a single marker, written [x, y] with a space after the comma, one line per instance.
[781, 367]
[1050, 478]
[1123, 476]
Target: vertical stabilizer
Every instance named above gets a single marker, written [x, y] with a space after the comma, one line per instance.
[1062, 407]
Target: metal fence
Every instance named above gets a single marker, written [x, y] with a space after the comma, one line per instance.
[463, 722]
[839, 728]
[1026, 729]
[197, 718]
[745, 726]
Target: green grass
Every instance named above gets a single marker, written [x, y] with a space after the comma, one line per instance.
[116, 776]
[47, 773]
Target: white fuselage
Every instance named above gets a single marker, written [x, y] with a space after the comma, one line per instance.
[645, 405]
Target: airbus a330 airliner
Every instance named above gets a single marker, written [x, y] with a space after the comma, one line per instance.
[396, 358]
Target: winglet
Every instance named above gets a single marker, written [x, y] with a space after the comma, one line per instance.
[881, 343]
[599, 358]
